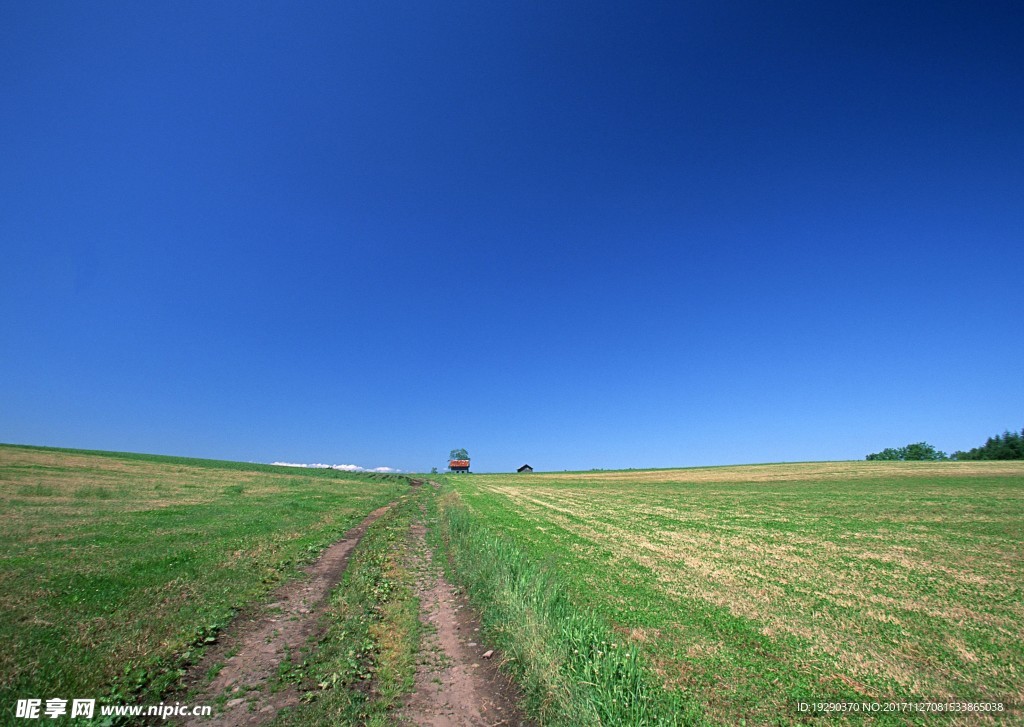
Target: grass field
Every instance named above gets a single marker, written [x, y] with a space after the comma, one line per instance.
[116, 569]
[718, 595]
[745, 589]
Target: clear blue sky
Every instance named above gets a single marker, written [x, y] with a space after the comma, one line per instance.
[571, 234]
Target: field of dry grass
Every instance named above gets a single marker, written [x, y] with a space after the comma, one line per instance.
[751, 587]
[793, 472]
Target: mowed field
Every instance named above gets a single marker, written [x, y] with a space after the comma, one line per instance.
[747, 589]
[115, 570]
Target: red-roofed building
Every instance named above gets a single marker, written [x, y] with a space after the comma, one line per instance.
[458, 465]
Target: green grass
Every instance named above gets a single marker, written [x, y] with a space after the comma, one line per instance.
[708, 595]
[573, 668]
[743, 590]
[117, 569]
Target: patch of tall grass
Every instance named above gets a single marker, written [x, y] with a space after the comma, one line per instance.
[571, 666]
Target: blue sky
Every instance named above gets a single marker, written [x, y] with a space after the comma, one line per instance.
[571, 234]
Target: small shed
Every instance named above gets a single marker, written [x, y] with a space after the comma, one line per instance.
[525, 469]
[458, 465]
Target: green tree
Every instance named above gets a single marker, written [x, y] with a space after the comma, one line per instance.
[918, 452]
[1009, 445]
[889, 455]
[923, 452]
[458, 454]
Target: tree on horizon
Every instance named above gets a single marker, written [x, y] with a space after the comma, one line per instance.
[918, 452]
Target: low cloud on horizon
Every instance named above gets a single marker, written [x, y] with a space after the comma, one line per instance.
[342, 467]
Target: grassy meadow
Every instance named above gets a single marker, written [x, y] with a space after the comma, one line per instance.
[719, 595]
[742, 590]
[117, 568]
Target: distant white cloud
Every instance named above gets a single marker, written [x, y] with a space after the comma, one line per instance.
[342, 467]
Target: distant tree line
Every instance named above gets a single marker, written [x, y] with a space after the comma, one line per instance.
[1008, 445]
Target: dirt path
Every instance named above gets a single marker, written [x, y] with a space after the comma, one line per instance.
[457, 678]
[252, 649]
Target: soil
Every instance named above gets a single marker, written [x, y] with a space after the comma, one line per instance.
[458, 682]
[254, 646]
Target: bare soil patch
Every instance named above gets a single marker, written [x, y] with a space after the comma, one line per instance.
[250, 652]
[458, 680]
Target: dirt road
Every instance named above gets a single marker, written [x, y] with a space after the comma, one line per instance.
[457, 684]
[251, 650]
